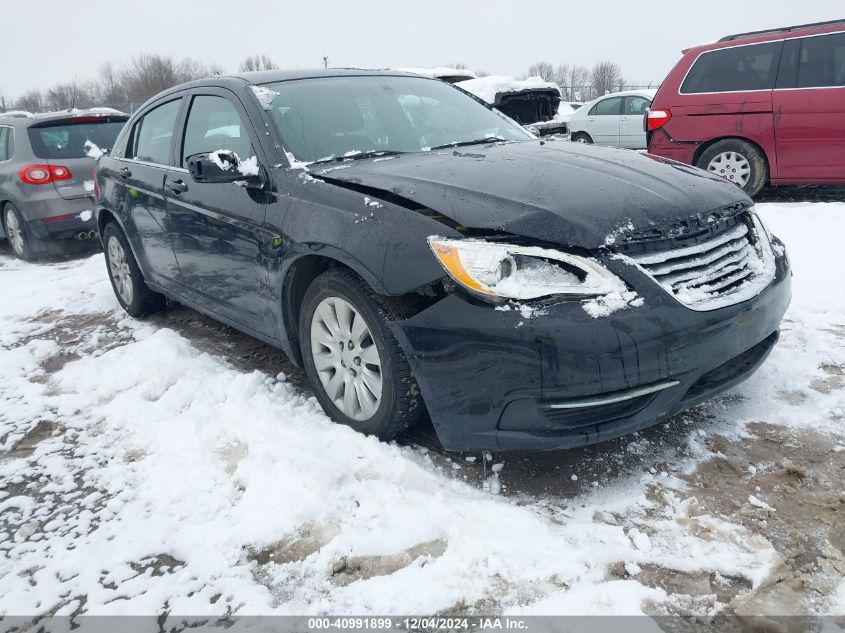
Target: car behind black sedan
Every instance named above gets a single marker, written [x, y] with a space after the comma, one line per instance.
[415, 250]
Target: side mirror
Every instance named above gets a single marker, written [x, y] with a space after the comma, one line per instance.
[223, 166]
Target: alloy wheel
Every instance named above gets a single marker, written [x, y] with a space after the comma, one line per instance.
[120, 271]
[14, 233]
[731, 165]
[346, 358]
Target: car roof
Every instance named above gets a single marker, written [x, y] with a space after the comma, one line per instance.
[770, 35]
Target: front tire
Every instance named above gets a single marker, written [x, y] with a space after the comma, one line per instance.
[583, 138]
[359, 373]
[738, 162]
[21, 242]
[126, 279]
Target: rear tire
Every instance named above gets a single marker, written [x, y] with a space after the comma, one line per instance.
[737, 161]
[126, 279]
[343, 330]
[21, 242]
[582, 137]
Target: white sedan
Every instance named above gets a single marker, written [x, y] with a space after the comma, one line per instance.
[615, 119]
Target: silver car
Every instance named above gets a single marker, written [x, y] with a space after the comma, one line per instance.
[46, 175]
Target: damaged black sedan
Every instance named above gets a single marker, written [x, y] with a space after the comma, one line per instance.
[417, 251]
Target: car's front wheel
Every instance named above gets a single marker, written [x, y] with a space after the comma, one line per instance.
[20, 241]
[126, 278]
[583, 138]
[738, 162]
[360, 374]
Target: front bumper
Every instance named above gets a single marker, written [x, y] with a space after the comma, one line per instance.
[493, 379]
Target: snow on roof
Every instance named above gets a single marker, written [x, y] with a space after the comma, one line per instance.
[17, 113]
[487, 88]
[442, 71]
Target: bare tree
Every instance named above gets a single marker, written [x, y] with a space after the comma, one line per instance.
[607, 76]
[31, 101]
[110, 89]
[577, 80]
[257, 62]
[71, 95]
[543, 70]
[562, 75]
[458, 66]
[481, 73]
[149, 74]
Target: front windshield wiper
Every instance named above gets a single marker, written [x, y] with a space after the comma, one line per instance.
[478, 141]
[373, 153]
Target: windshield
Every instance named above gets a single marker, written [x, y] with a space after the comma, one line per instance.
[67, 139]
[344, 116]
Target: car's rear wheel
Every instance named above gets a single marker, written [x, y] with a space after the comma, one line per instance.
[126, 279]
[738, 162]
[360, 374]
[20, 241]
[583, 138]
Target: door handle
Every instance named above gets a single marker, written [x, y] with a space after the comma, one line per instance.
[124, 172]
[176, 186]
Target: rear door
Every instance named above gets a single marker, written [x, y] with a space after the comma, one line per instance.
[631, 133]
[218, 228]
[603, 121]
[809, 105]
[73, 144]
[140, 173]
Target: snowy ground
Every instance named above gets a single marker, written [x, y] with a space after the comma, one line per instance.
[167, 466]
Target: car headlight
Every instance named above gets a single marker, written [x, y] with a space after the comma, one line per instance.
[508, 271]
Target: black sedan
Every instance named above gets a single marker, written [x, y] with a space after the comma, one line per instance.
[415, 250]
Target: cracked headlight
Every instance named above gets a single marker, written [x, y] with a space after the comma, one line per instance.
[508, 271]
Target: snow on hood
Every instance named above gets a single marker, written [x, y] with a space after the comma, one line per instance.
[486, 88]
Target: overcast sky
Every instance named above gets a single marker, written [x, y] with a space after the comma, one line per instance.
[49, 42]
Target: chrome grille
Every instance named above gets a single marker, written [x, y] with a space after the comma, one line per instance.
[727, 268]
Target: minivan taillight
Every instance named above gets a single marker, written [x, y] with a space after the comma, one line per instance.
[657, 119]
[43, 174]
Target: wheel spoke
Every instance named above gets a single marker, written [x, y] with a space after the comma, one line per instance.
[345, 315]
[334, 386]
[372, 381]
[351, 406]
[360, 331]
[368, 401]
[370, 356]
[326, 361]
[329, 319]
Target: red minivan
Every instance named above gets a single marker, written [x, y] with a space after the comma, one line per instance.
[758, 108]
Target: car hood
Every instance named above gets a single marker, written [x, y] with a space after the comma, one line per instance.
[552, 191]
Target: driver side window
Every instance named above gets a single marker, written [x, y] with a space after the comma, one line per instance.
[213, 124]
[607, 107]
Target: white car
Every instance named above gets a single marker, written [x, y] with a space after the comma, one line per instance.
[615, 119]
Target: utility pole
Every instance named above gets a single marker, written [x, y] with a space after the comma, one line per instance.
[325, 62]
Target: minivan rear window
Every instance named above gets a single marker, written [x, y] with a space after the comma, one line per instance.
[822, 61]
[740, 68]
[68, 139]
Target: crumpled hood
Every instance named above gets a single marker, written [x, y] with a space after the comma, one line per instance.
[555, 191]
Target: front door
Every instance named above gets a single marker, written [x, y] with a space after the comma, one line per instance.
[603, 121]
[809, 107]
[218, 228]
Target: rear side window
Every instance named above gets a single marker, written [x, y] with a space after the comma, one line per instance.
[736, 69]
[74, 139]
[153, 133]
[5, 143]
[607, 107]
[636, 105]
[822, 61]
[214, 123]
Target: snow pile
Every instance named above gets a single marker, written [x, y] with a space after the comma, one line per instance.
[92, 150]
[226, 159]
[486, 88]
[264, 95]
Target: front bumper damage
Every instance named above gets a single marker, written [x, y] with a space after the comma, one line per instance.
[494, 379]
